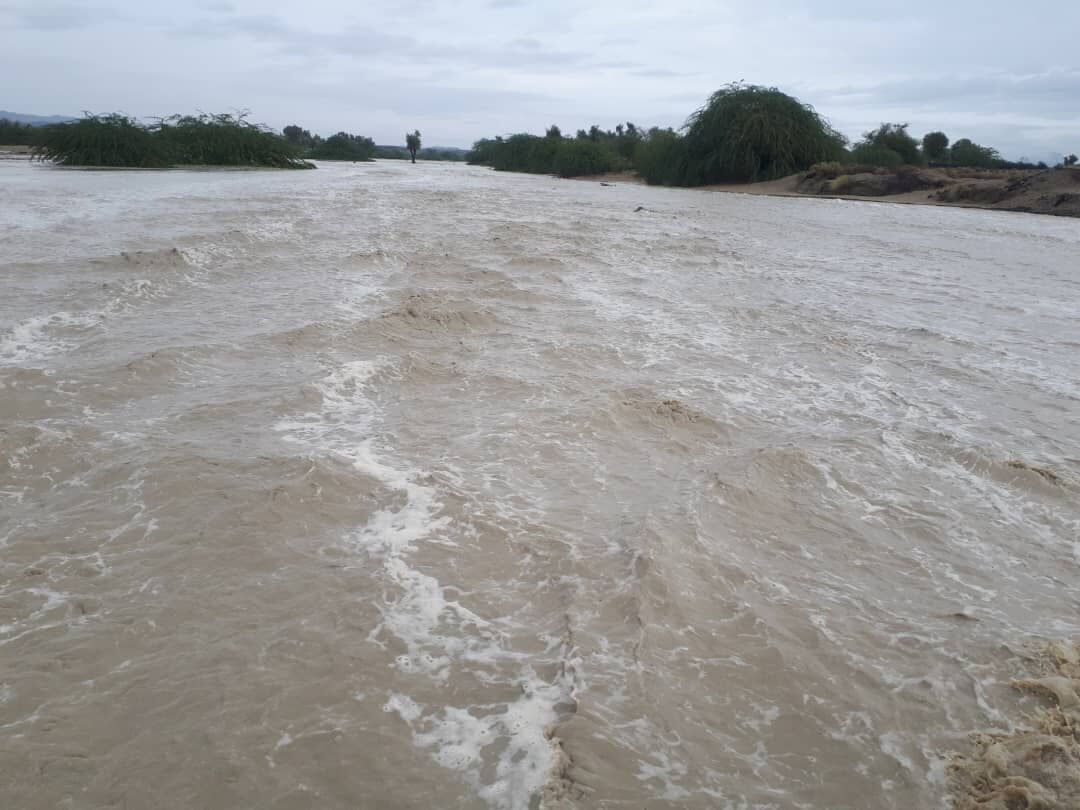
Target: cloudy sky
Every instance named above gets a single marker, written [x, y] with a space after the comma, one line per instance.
[1005, 74]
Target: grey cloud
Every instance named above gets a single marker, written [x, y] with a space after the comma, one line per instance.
[274, 30]
[63, 16]
[1052, 94]
[659, 73]
[476, 67]
[361, 41]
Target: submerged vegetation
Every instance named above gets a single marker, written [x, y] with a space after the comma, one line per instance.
[743, 133]
[108, 140]
[118, 141]
[192, 140]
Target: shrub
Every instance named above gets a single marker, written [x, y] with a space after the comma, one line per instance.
[343, 146]
[661, 158]
[579, 158]
[225, 140]
[104, 140]
[13, 133]
[966, 153]
[875, 155]
[118, 141]
[551, 154]
[895, 138]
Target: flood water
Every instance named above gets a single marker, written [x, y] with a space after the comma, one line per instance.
[394, 486]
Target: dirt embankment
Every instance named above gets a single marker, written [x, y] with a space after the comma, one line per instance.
[1046, 191]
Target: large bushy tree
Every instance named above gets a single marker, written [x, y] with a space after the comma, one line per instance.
[967, 153]
[893, 137]
[935, 146]
[749, 133]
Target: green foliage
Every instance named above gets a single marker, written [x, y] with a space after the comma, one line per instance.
[300, 137]
[484, 151]
[935, 147]
[412, 143]
[225, 140]
[105, 140]
[623, 140]
[744, 133]
[203, 140]
[895, 138]
[581, 158]
[343, 146]
[966, 153]
[661, 157]
[550, 154]
[13, 133]
[752, 133]
[871, 154]
[1071, 160]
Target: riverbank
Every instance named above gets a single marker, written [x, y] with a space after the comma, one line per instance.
[1054, 192]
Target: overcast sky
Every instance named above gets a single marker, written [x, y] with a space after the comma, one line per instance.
[1004, 74]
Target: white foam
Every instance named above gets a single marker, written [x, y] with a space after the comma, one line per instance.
[34, 338]
[438, 632]
[668, 772]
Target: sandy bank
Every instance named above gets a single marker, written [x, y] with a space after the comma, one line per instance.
[1051, 191]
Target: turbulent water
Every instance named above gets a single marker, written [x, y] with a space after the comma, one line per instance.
[393, 486]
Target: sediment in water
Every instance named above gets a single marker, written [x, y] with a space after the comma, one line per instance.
[1037, 766]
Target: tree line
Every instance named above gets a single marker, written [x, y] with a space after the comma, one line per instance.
[345, 146]
[180, 140]
[15, 133]
[743, 133]
[117, 140]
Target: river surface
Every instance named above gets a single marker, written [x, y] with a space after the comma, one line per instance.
[394, 486]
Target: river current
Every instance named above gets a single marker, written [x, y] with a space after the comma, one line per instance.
[395, 486]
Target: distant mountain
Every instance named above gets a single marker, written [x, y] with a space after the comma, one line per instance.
[35, 120]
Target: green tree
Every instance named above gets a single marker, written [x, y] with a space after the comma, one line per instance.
[894, 137]
[554, 132]
[298, 136]
[575, 158]
[750, 133]
[966, 153]
[1071, 160]
[661, 157]
[935, 146]
[344, 146]
[869, 154]
[412, 143]
[12, 133]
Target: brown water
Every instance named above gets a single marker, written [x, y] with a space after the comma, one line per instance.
[422, 486]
